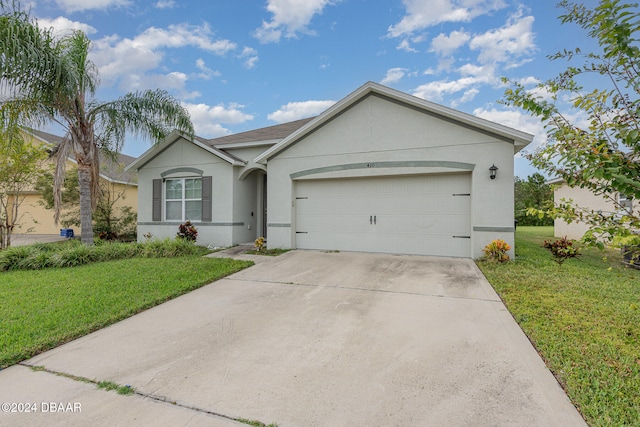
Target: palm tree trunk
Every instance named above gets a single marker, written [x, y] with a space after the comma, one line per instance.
[86, 224]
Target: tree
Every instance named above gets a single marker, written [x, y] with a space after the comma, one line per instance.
[51, 79]
[20, 166]
[602, 154]
[110, 221]
[532, 193]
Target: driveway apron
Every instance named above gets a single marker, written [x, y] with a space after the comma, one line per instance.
[308, 339]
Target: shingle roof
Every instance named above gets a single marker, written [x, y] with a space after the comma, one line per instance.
[268, 133]
[110, 169]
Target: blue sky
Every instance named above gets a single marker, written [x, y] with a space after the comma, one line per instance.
[238, 65]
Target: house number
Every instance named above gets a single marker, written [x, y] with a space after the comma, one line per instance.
[371, 165]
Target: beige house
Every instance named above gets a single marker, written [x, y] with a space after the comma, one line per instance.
[36, 219]
[584, 198]
[379, 171]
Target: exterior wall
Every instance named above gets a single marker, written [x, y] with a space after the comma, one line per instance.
[183, 154]
[245, 207]
[376, 131]
[36, 219]
[583, 198]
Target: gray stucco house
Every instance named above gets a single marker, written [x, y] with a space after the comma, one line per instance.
[379, 171]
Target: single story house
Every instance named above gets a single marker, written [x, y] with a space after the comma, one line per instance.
[36, 219]
[584, 198]
[379, 171]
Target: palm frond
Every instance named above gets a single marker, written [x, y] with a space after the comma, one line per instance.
[151, 114]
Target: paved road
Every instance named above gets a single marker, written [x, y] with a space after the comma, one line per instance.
[308, 339]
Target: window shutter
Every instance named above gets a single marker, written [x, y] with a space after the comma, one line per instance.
[156, 214]
[207, 185]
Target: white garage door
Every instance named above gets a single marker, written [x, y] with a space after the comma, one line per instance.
[416, 214]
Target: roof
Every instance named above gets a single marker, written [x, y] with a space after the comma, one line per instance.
[520, 139]
[269, 133]
[158, 148]
[111, 169]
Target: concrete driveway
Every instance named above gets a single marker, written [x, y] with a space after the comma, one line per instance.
[307, 339]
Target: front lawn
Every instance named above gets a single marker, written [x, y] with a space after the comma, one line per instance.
[42, 309]
[584, 320]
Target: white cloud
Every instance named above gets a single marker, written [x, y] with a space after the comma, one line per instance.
[507, 43]
[165, 4]
[422, 14]
[516, 119]
[250, 56]
[207, 119]
[406, 46]
[180, 35]
[437, 90]
[81, 5]
[445, 45]
[205, 72]
[394, 75]
[290, 17]
[62, 25]
[299, 110]
[128, 61]
[487, 71]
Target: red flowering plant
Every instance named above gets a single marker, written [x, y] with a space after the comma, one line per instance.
[187, 231]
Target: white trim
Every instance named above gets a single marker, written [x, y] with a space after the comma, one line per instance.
[173, 137]
[248, 144]
[520, 139]
[554, 181]
[183, 200]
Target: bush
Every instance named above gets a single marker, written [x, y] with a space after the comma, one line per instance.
[187, 231]
[70, 257]
[562, 249]
[259, 243]
[169, 248]
[73, 253]
[497, 251]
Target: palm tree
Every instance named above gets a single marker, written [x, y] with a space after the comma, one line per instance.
[49, 79]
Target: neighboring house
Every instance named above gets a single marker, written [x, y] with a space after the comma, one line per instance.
[380, 171]
[36, 219]
[584, 198]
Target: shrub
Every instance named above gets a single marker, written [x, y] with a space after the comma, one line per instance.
[12, 256]
[71, 257]
[72, 253]
[562, 249]
[259, 243]
[497, 251]
[187, 231]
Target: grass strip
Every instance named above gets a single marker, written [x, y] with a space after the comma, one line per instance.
[584, 320]
[43, 309]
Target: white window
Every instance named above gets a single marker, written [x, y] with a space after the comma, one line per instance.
[183, 199]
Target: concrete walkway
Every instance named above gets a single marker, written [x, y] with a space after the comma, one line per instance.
[307, 339]
[28, 239]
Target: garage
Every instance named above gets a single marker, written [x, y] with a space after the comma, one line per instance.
[407, 214]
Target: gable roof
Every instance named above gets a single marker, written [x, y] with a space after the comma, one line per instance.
[174, 136]
[265, 134]
[111, 169]
[520, 139]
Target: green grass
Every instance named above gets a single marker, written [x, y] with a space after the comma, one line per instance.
[584, 320]
[42, 309]
[267, 252]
